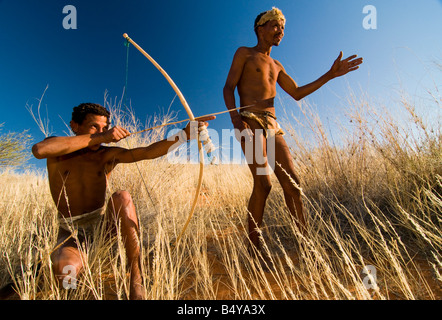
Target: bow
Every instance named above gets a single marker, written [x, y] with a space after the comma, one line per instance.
[191, 117]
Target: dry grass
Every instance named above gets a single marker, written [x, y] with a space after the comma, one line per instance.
[373, 199]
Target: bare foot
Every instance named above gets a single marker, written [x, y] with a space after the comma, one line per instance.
[261, 258]
[265, 262]
[137, 292]
[136, 287]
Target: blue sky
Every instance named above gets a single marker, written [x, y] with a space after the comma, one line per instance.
[194, 41]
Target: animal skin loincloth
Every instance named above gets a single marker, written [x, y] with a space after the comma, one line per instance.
[83, 224]
[262, 118]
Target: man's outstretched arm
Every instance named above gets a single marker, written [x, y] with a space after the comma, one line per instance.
[159, 148]
[339, 68]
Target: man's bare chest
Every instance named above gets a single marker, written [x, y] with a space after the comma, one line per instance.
[261, 67]
[81, 166]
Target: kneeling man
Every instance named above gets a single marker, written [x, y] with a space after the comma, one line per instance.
[78, 168]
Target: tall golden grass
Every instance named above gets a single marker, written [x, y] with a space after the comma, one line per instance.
[373, 199]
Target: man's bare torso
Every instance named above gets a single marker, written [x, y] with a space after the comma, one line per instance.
[78, 180]
[257, 85]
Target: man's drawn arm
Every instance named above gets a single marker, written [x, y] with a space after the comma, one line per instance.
[58, 146]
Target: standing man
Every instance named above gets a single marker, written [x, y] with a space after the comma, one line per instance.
[78, 169]
[255, 74]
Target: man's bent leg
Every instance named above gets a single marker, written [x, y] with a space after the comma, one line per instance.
[121, 209]
[67, 261]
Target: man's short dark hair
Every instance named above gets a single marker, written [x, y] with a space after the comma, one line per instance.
[255, 27]
[81, 111]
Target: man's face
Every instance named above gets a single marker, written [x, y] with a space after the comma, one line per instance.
[92, 124]
[273, 31]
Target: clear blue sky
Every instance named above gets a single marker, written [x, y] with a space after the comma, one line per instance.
[195, 41]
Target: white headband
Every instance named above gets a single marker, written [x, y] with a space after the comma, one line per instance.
[274, 14]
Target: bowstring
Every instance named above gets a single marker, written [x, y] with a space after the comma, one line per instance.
[140, 233]
[124, 99]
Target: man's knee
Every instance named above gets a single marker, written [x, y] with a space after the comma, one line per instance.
[292, 189]
[122, 205]
[122, 198]
[66, 266]
[263, 184]
[290, 182]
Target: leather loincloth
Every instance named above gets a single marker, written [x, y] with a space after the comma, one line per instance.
[262, 118]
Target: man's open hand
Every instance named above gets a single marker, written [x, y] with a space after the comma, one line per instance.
[341, 67]
[243, 132]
